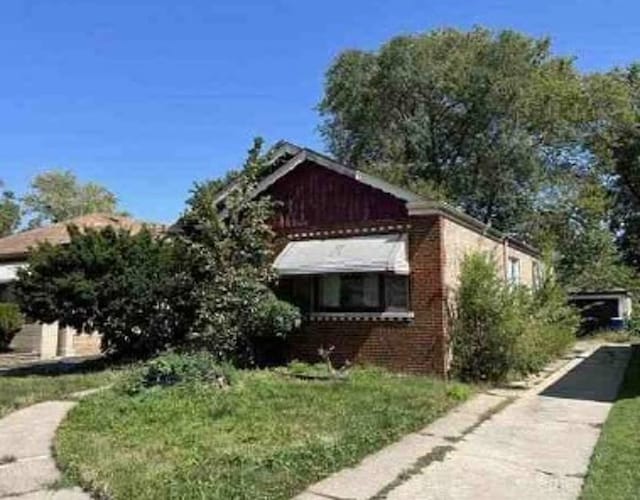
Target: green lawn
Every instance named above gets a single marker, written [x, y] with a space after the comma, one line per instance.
[23, 388]
[614, 472]
[265, 437]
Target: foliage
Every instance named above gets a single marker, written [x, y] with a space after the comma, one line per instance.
[473, 114]
[181, 368]
[206, 285]
[495, 123]
[482, 340]
[499, 329]
[56, 196]
[228, 249]
[266, 436]
[616, 142]
[548, 324]
[9, 213]
[613, 472]
[123, 285]
[273, 317]
[11, 320]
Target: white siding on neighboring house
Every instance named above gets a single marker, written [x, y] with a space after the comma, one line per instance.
[9, 272]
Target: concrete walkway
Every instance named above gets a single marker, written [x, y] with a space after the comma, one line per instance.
[27, 467]
[531, 444]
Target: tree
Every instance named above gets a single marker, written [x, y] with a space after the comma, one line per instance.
[9, 213]
[495, 124]
[206, 285]
[229, 251]
[123, 285]
[615, 139]
[56, 196]
[478, 117]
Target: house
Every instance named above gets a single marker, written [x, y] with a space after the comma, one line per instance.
[49, 340]
[372, 265]
[602, 309]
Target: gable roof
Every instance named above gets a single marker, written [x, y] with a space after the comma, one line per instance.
[17, 246]
[286, 157]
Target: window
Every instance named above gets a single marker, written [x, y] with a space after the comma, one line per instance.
[396, 296]
[536, 275]
[513, 271]
[353, 292]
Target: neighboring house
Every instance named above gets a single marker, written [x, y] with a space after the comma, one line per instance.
[372, 265]
[603, 309]
[50, 340]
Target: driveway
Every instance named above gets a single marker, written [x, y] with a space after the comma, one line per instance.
[533, 446]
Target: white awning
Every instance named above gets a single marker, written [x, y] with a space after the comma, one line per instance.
[9, 272]
[359, 254]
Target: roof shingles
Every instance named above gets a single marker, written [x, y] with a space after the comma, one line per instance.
[17, 246]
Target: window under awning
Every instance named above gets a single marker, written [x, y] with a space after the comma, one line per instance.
[358, 254]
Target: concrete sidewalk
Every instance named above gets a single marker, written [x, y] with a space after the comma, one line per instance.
[27, 467]
[507, 444]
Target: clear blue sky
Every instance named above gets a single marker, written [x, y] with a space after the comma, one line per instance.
[147, 96]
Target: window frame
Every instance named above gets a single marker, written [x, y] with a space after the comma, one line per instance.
[381, 307]
[514, 278]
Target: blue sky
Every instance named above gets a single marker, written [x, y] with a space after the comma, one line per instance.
[148, 96]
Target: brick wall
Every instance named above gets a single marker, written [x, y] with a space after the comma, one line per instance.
[459, 241]
[416, 346]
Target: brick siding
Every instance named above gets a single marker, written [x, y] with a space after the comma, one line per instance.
[415, 346]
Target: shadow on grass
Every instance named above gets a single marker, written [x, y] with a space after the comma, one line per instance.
[64, 366]
[597, 378]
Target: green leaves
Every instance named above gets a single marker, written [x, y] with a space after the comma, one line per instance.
[9, 212]
[11, 320]
[56, 196]
[498, 125]
[499, 329]
[465, 111]
[228, 249]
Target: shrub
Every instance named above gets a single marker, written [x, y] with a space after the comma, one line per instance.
[206, 286]
[274, 317]
[126, 286]
[181, 368]
[482, 341]
[498, 329]
[11, 321]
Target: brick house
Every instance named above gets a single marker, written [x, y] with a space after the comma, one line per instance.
[373, 266]
[48, 341]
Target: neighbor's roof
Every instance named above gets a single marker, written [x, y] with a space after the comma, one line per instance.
[17, 245]
[286, 156]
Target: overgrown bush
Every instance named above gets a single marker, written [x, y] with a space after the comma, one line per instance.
[203, 286]
[126, 286]
[181, 368]
[11, 320]
[229, 248]
[500, 329]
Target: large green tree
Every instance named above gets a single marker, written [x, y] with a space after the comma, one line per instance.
[57, 196]
[615, 140]
[9, 212]
[477, 117]
[498, 125]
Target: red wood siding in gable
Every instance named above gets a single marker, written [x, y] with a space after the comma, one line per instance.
[312, 196]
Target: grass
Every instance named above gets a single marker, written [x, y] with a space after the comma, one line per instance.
[21, 387]
[614, 336]
[614, 470]
[266, 437]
